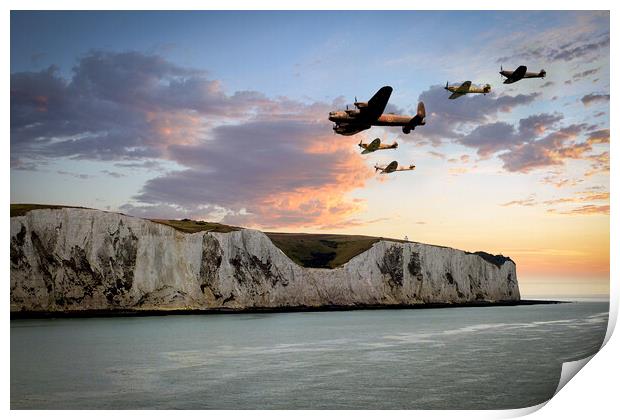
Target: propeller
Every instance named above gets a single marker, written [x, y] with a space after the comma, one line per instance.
[446, 84]
[356, 99]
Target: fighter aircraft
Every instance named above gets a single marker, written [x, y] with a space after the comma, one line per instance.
[375, 145]
[465, 88]
[393, 167]
[520, 73]
[367, 114]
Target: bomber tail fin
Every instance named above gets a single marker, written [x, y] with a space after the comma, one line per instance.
[417, 120]
[421, 110]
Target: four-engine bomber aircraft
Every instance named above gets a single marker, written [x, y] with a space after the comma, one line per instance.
[367, 114]
[520, 73]
[465, 88]
[375, 145]
[393, 167]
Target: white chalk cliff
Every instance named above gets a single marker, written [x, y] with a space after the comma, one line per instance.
[75, 259]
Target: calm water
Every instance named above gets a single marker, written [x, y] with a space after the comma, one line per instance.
[458, 358]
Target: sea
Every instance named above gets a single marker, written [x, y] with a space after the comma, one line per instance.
[496, 357]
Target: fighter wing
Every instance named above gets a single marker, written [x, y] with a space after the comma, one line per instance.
[377, 104]
[456, 95]
[391, 167]
[519, 73]
[374, 144]
[465, 86]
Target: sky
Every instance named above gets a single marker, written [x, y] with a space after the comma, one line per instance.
[222, 116]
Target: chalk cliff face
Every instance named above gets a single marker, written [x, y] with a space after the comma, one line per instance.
[75, 259]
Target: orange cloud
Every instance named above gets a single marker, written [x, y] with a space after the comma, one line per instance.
[326, 206]
[587, 209]
[581, 197]
[600, 164]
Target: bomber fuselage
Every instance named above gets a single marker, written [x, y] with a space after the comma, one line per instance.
[353, 116]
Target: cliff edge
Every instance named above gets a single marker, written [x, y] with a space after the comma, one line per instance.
[73, 259]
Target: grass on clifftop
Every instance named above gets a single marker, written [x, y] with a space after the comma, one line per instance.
[321, 250]
[22, 209]
[193, 226]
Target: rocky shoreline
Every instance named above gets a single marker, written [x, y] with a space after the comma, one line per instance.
[220, 311]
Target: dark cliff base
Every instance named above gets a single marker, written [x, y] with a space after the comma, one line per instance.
[150, 312]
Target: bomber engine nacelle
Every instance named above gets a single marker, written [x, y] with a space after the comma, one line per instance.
[360, 105]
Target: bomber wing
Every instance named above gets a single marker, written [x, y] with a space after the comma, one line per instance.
[377, 104]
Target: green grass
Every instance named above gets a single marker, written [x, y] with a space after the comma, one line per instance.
[22, 209]
[193, 226]
[321, 250]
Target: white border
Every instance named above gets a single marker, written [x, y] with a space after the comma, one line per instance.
[592, 395]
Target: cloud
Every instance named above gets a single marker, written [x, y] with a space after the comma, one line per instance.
[445, 118]
[580, 197]
[583, 210]
[122, 106]
[599, 137]
[243, 157]
[559, 182]
[74, 175]
[600, 164]
[113, 174]
[437, 154]
[551, 150]
[530, 201]
[568, 51]
[586, 73]
[278, 172]
[490, 138]
[461, 159]
[586, 196]
[594, 97]
[554, 47]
